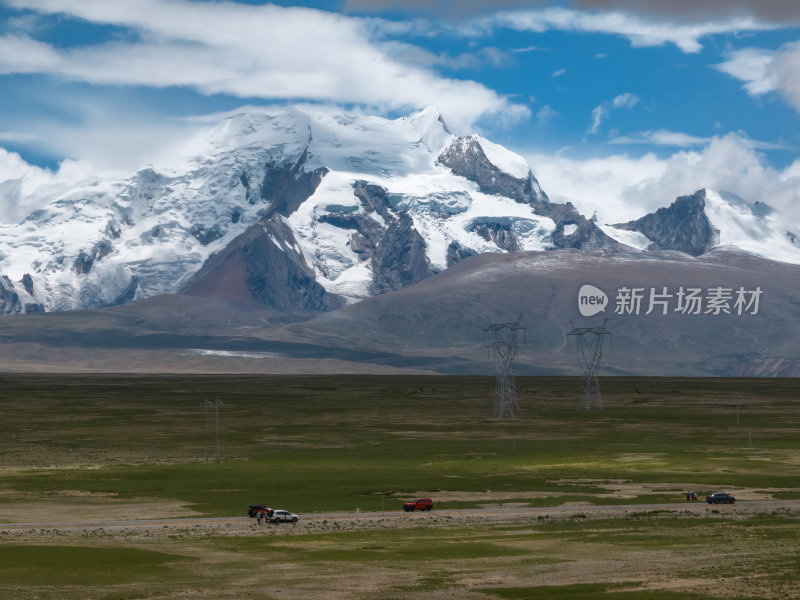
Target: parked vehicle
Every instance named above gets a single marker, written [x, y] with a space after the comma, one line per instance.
[720, 498]
[254, 509]
[282, 516]
[418, 504]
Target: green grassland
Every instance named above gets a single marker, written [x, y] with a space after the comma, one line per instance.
[657, 557]
[347, 443]
[341, 443]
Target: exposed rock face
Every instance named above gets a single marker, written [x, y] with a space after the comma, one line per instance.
[206, 236]
[573, 230]
[465, 157]
[394, 249]
[27, 283]
[9, 299]
[367, 231]
[264, 267]
[682, 226]
[457, 252]
[287, 186]
[499, 234]
[85, 260]
[399, 258]
[27, 306]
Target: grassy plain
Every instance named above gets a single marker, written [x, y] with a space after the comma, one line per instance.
[137, 446]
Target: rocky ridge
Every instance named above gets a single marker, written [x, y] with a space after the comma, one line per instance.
[708, 219]
[307, 210]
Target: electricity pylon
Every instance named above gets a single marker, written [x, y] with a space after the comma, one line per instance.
[503, 344]
[590, 351]
[206, 404]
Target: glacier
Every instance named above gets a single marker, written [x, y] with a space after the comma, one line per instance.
[110, 242]
[344, 205]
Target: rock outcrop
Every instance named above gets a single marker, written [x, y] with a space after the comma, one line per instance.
[682, 226]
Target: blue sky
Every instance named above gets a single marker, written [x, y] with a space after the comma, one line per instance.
[615, 103]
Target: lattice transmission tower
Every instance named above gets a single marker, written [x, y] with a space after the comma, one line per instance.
[503, 345]
[589, 342]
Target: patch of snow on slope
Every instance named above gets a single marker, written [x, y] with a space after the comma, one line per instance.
[752, 228]
[635, 239]
[150, 233]
[326, 248]
[428, 124]
[505, 160]
[375, 146]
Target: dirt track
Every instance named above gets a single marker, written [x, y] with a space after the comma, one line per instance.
[318, 523]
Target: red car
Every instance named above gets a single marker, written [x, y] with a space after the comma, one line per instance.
[418, 504]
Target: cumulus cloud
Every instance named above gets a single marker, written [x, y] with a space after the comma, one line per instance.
[601, 112]
[24, 187]
[753, 66]
[621, 188]
[267, 52]
[764, 71]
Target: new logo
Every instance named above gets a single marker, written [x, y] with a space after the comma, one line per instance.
[591, 300]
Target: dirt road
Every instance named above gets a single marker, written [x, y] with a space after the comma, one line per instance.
[322, 522]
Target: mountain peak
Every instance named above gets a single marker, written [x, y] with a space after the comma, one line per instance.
[358, 205]
[504, 159]
[712, 218]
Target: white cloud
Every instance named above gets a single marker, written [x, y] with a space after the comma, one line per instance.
[661, 137]
[621, 188]
[626, 100]
[764, 71]
[558, 73]
[664, 137]
[24, 187]
[753, 66]
[111, 131]
[601, 112]
[16, 137]
[641, 31]
[526, 49]
[546, 113]
[268, 52]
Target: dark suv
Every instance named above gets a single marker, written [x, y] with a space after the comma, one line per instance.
[720, 498]
[254, 509]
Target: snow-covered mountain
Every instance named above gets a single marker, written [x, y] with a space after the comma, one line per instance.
[292, 209]
[709, 219]
[303, 211]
